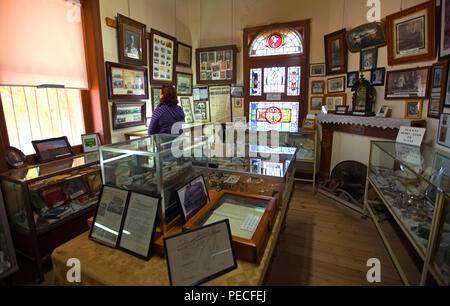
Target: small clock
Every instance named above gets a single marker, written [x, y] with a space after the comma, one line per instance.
[364, 97]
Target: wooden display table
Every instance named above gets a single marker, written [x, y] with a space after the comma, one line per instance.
[103, 266]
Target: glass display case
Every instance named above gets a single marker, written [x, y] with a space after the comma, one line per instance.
[264, 171]
[50, 203]
[156, 165]
[8, 262]
[250, 217]
[414, 188]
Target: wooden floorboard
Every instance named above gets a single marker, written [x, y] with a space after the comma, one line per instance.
[328, 244]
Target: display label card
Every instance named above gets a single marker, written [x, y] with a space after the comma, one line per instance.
[411, 135]
[273, 97]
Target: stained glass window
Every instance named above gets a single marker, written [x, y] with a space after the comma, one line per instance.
[274, 79]
[277, 116]
[276, 41]
[255, 82]
[293, 81]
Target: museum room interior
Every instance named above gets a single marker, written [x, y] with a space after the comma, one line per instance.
[225, 143]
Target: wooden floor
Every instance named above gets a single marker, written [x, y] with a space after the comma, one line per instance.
[326, 244]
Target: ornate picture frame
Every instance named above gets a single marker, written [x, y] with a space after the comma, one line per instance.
[413, 109]
[368, 35]
[132, 41]
[336, 53]
[216, 65]
[163, 53]
[411, 34]
[439, 75]
[444, 37]
[128, 114]
[126, 82]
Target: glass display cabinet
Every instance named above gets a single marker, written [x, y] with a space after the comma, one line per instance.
[8, 262]
[264, 171]
[150, 165]
[413, 183]
[50, 204]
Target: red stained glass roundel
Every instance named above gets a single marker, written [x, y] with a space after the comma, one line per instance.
[275, 41]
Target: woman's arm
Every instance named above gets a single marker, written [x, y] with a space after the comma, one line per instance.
[153, 128]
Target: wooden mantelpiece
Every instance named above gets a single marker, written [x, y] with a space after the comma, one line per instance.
[385, 128]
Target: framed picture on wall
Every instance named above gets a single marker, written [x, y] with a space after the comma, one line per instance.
[368, 59]
[413, 109]
[377, 76]
[352, 78]
[132, 36]
[411, 34]
[444, 38]
[216, 65]
[156, 96]
[126, 82]
[162, 58]
[317, 70]
[184, 54]
[443, 138]
[186, 105]
[438, 89]
[336, 84]
[184, 84]
[201, 111]
[317, 87]
[407, 83]
[316, 103]
[128, 114]
[331, 101]
[366, 36]
[336, 53]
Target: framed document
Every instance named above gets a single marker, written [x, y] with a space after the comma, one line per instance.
[237, 107]
[187, 109]
[184, 54]
[201, 111]
[139, 225]
[108, 216]
[220, 104]
[200, 255]
[216, 65]
[200, 93]
[193, 196]
[128, 114]
[132, 41]
[126, 82]
[162, 58]
[52, 149]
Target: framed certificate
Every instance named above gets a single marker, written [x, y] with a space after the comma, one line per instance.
[108, 216]
[139, 225]
[200, 255]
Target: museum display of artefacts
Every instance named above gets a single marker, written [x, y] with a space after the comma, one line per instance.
[413, 183]
[148, 165]
[50, 203]
[250, 216]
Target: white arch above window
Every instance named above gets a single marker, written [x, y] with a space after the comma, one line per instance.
[276, 41]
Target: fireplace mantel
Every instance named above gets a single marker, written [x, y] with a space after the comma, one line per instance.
[385, 128]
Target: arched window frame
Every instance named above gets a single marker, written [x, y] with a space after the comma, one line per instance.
[286, 33]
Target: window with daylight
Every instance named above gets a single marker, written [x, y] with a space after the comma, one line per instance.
[41, 113]
[274, 79]
[276, 41]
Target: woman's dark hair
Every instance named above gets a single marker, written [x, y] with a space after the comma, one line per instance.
[169, 95]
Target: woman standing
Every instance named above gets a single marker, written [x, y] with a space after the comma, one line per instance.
[167, 113]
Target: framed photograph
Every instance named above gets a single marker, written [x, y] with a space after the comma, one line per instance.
[407, 83]
[193, 196]
[316, 103]
[336, 53]
[309, 124]
[317, 87]
[342, 110]
[108, 216]
[383, 111]
[444, 38]
[162, 58]
[411, 34]
[156, 97]
[336, 84]
[52, 149]
[200, 93]
[186, 105]
[211, 254]
[368, 59]
[352, 78]
[184, 54]
[317, 70]
[377, 76]
[237, 91]
[126, 82]
[443, 134]
[184, 84]
[439, 75]
[90, 142]
[413, 109]
[216, 65]
[366, 36]
[128, 114]
[132, 36]
[331, 101]
[139, 225]
[201, 111]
